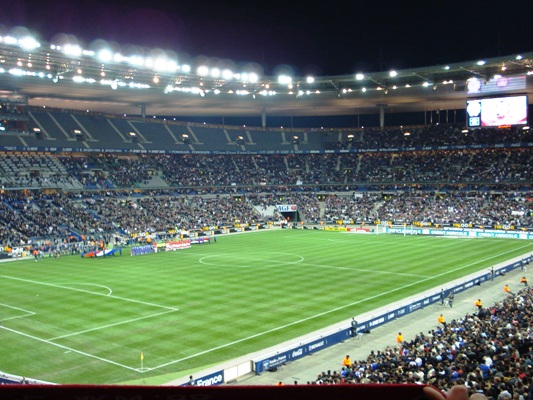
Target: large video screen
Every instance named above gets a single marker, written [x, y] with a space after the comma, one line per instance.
[497, 111]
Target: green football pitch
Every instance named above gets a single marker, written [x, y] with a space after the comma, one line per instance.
[76, 320]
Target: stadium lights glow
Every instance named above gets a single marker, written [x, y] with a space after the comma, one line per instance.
[310, 79]
[284, 79]
[28, 43]
[481, 62]
[81, 79]
[393, 73]
[519, 57]
[359, 76]
[227, 74]
[202, 70]
[72, 50]
[10, 40]
[104, 55]
[363, 89]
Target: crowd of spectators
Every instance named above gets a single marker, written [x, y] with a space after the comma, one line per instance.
[490, 352]
[206, 174]
[429, 135]
[373, 156]
[487, 185]
[36, 214]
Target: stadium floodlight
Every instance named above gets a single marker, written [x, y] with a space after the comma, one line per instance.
[104, 55]
[310, 79]
[284, 79]
[10, 40]
[202, 70]
[160, 64]
[253, 77]
[215, 72]
[135, 60]
[359, 76]
[72, 50]
[186, 68]
[172, 66]
[227, 74]
[481, 62]
[28, 43]
[393, 73]
[363, 89]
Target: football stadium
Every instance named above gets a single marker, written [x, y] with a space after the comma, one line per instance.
[142, 248]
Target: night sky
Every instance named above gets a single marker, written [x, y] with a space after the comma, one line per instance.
[322, 38]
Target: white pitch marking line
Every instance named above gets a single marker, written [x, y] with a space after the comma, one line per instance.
[109, 325]
[27, 313]
[301, 261]
[89, 292]
[68, 348]
[110, 292]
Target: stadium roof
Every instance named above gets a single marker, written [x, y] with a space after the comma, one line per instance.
[49, 76]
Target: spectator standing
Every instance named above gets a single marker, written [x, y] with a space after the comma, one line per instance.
[451, 297]
[354, 325]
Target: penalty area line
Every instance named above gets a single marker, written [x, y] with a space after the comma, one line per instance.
[68, 348]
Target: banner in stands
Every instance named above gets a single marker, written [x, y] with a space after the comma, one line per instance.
[178, 245]
[273, 362]
[216, 378]
[287, 207]
[489, 233]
